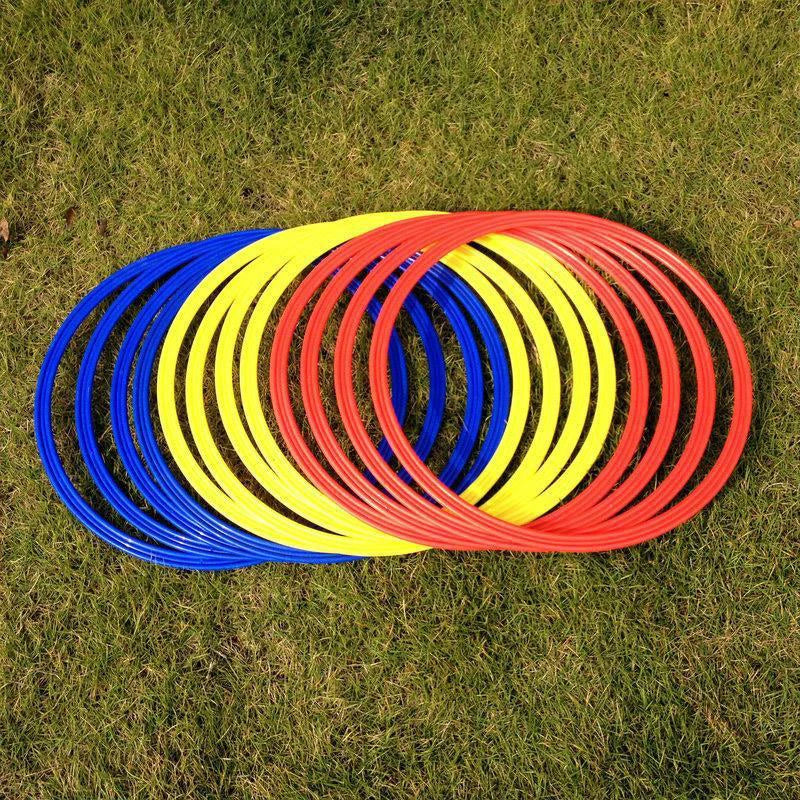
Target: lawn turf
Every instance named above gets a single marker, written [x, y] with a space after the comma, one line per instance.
[665, 671]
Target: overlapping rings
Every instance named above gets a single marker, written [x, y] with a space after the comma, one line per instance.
[227, 464]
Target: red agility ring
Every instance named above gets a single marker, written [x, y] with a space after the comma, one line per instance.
[316, 415]
[639, 410]
[590, 521]
[703, 422]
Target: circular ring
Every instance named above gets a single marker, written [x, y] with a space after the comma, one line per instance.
[199, 532]
[534, 457]
[225, 477]
[258, 322]
[226, 289]
[633, 525]
[461, 525]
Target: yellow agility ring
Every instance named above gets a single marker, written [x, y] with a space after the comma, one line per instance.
[267, 263]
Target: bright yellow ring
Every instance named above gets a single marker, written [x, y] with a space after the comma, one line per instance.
[243, 507]
[238, 296]
[278, 475]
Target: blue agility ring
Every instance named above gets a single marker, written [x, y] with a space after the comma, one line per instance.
[196, 538]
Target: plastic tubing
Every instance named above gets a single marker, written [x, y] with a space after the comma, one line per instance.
[706, 394]
[250, 371]
[244, 298]
[455, 297]
[178, 445]
[198, 532]
[540, 268]
[634, 522]
[174, 497]
[459, 524]
[378, 512]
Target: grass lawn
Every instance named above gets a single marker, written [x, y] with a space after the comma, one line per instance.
[671, 670]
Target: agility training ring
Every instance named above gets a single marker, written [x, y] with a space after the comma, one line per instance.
[569, 331]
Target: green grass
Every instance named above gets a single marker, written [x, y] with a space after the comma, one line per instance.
[671, 670]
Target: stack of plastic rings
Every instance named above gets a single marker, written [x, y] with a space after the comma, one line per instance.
[234, 455]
